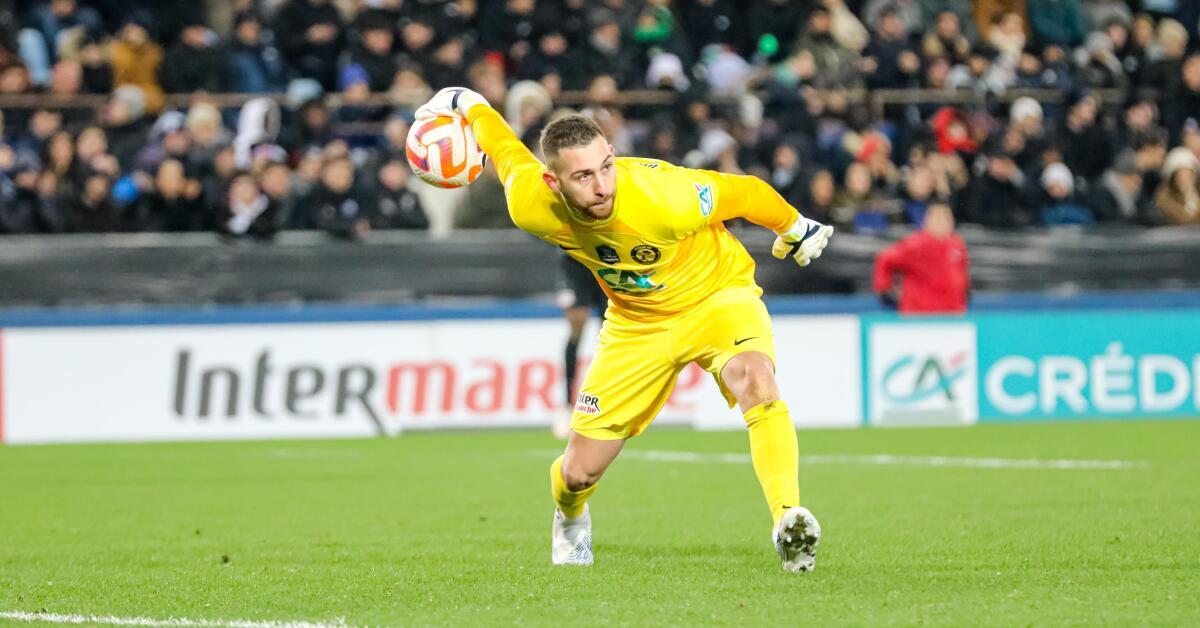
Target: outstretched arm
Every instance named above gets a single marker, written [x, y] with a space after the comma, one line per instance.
[741, 196]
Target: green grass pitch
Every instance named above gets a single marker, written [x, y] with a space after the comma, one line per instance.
[453, 529]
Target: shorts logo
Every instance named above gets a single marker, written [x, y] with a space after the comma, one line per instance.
[587, 404]
[645, 254]
[706, 198]
[607, 254]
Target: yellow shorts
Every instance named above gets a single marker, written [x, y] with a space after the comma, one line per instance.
[634, 370]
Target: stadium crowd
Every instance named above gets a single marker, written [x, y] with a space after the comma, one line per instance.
[769, 87]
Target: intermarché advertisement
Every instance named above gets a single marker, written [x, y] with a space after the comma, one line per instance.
[335, 380]
[322, 380]
[1033, 366]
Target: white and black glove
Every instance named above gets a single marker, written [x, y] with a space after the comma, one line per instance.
[451, 101]
[803, 242]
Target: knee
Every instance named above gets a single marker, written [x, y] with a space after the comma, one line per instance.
[756, 384]
[578, 479]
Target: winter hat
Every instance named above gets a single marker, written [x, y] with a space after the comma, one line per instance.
[1025, 107]
[666, 65]
[1178, 158]
[133, 98]
[1060, 174]
[352, 74]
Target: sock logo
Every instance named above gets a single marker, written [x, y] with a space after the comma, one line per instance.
[587, 404]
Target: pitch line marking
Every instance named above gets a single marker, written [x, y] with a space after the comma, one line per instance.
[884, 460]
[112, 620]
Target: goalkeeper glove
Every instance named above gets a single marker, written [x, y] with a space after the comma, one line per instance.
[451, 101]
[803, 242]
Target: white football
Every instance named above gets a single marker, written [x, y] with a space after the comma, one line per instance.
[442, 151]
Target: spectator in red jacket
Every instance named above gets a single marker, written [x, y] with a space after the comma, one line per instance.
[932, 264]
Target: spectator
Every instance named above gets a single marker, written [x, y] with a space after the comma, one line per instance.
[336, 205]
[889, 61]
[54, 18]
[1099, 67]
[1183, 102]
[786, 176]
[96, 63]
[554, 55]
[930, 267]
[275, 181]
[1163, 72]
[255, 66]
[932, 9]
[607, 54]
[1008, 37]
[416, 41]
[445, 67]
[834, 65]
[946, 40]
[125, 123]
[1177, 199]
[1119, 197]
[18, 195]
[397, 207]
[1059, 203]
[248, 211]
[996, 197]
[91, 210]
[820, 199]
[136, 59]
[1057, 22]
[373, 52]
[1089, 147]
[907, 11]
[311, 37]
[195, 63]
[174, 204]
[989, 12]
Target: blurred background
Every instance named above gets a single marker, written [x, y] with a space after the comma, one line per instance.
[202, 162]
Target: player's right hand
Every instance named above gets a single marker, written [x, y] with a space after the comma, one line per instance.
[451, 101]
[803, 242]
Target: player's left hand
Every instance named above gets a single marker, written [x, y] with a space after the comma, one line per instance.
[451, 101]
[803, 242]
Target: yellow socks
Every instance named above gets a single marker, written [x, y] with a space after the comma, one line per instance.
[570, 502]
[775, 454]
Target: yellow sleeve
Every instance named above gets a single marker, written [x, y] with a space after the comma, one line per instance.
[518, 170]
[744, 196]
[506, 150]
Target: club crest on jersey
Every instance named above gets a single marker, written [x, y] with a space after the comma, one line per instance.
[705, 193]
[607, 254]
[587, 404]
[645, 254]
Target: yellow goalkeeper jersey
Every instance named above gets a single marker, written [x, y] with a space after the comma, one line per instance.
[664, 249]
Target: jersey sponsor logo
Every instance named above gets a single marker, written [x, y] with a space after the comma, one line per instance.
[628, 281]
[587, 404]
[645, 254]
[607, 254]
[705, 193]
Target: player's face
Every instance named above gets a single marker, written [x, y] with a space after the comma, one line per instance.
[586, 177]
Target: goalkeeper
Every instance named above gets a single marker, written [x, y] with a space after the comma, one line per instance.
[681, 289]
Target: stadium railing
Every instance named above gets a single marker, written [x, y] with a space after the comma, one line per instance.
[388, 267]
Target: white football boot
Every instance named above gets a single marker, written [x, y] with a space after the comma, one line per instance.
[796, 539]
[571, 539]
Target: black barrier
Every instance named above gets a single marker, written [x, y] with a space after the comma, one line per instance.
[189, 269]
